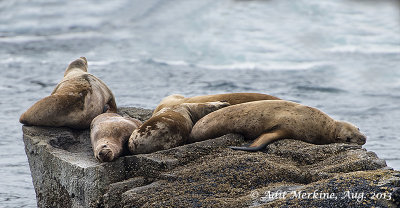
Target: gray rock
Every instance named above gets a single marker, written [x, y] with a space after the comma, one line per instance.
[206, 174]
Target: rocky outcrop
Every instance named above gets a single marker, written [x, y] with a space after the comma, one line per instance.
[287, 173]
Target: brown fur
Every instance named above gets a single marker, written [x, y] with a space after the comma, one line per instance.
[231, 98]
[267, 121]
[170, 127]
[175, 116]
[74, 102]
[109, 133]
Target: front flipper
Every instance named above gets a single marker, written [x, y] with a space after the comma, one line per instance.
[261, 142]
[54, 110]
[111, 106]
[106, 108]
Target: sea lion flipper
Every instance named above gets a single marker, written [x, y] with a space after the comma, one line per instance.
[46, 112]
[249, 149]
[106, 108]
[262, 141]
[111, 106]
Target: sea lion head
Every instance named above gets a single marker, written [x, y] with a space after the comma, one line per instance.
[80, 63]
[350, 134]
[106, 152]
[164, 131]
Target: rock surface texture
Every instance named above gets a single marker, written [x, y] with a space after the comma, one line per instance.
[287, 173]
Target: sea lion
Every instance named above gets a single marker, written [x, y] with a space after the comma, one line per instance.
[231, 98]
[109, 133]
[175, 116]
[267, 121]
[169, 127]
[75, 101]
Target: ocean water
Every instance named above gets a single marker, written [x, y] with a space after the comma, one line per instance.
[341, 56]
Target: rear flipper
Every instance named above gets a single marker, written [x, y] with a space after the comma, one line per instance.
[261, 142]
[249, 149]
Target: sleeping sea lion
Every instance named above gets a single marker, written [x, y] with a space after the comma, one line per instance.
[270, 120]
[75, 101]
[231, 98]
[169, 127]
[109, 134]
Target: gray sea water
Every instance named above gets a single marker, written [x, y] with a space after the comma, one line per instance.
[341, 56]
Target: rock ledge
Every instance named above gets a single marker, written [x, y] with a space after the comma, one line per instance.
[287, 173]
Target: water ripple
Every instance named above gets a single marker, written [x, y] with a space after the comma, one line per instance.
[340, 56]
[321, 89]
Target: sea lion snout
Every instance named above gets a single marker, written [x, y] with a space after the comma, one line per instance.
[356, 139]
[105, 154]
[362, 139]
[109, 133]
[350, 134]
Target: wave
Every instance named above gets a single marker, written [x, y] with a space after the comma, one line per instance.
[388, 49]
[383, 95]
[61, 36]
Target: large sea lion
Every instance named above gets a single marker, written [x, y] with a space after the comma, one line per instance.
[231, 98]
[175, 116]
[75, 101]
[109, 134]
[267, 121]
[169, 127]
